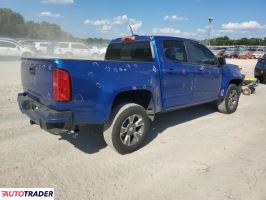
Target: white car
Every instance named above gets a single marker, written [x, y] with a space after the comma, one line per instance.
[259, 53]
[42, 48]
[70, 49]
[11, 48]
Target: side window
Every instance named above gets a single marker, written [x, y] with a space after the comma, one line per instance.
[175, 50]
[7, 44]
[201, 55]
[62, 45]
[44, 45]
[78, 46]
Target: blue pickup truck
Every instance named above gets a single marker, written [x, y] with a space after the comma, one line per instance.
[140, 76]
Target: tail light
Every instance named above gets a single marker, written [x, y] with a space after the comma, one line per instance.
[61, 85]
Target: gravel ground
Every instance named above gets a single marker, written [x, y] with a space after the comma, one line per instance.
[194, 153]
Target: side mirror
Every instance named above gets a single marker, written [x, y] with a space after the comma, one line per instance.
[221, 61]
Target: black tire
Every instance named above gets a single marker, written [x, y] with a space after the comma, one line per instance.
[261, 80]
[113, 135]
[230, 103]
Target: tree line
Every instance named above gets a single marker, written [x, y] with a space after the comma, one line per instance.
[13, 24]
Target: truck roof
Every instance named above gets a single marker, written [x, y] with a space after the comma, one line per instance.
[149, 38]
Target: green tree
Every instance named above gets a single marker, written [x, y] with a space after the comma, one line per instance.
[11, 24]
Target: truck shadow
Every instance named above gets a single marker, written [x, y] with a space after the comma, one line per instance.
[166, 120]
[90, 138]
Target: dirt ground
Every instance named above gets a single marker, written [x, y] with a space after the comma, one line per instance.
[190, 154]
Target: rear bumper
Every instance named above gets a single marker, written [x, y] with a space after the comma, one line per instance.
[44, 116]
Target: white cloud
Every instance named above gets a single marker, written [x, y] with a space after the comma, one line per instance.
[173, 32]
[175, 17]
[58, 1]
[97, 22]
[50, 14]
[107, 24]
[201, 30]
[167, 31]
[105, 28]
[189, 34]
[135, 24]
[248, 25]
[120, 20]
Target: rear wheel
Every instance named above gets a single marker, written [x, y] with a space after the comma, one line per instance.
[230, 103]
[127, 128]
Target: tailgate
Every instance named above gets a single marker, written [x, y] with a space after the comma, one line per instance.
[36, 76]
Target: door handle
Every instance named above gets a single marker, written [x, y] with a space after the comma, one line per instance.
[170, 71]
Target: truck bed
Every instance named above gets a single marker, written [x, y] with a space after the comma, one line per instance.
[94, 84]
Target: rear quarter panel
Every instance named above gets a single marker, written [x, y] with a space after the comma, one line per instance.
[96, 83]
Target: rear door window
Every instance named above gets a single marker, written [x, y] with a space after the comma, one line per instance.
[7, 44]
[78, 46]
[134, 51]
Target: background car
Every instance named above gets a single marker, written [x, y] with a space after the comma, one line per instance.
[231, 52]
[70, 49]
[245, 55]
[12, 49]
[258, 53]
[218, 51]
[260, 69]
[42, 48]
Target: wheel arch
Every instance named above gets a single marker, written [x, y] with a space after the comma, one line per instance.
[142, 97]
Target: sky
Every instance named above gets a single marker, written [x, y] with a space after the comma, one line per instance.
[183, 18]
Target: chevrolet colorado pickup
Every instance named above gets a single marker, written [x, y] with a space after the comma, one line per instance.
[140, 76]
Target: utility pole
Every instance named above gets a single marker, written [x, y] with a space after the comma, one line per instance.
[210, 20]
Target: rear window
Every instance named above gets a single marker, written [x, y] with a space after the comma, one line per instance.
[78, 46]
[7, 44]
[140, 51]
[44, 45]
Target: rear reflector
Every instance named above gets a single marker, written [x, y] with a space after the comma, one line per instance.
[61, 85]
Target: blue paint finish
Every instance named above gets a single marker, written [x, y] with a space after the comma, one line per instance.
[95, 84]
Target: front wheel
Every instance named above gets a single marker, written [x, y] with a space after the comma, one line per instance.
[127, 128]
[230, 103]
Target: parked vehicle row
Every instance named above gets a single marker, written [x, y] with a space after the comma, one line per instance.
[11, 48]
[30, 48]
[241, 52]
